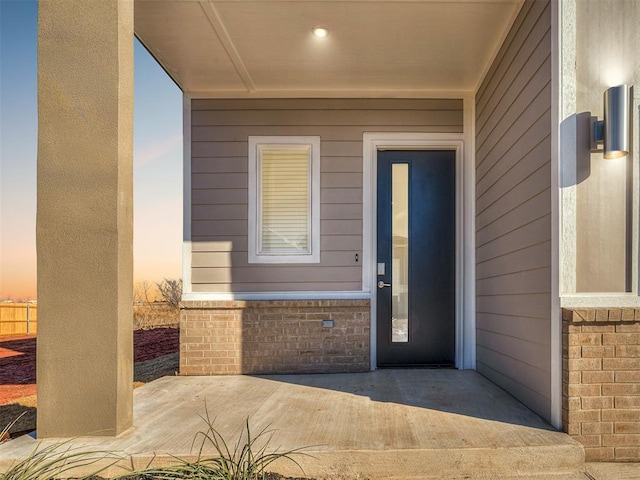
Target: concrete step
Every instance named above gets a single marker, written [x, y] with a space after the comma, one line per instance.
[441, 463]
[387, 424]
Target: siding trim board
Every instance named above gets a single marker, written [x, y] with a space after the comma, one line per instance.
[303, 295]
[187, 196]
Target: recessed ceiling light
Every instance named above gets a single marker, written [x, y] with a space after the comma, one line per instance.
[320, 32]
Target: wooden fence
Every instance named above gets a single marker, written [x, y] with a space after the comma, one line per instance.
[18, 318]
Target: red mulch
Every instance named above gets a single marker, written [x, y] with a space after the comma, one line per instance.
[18, 359]
[150, 344]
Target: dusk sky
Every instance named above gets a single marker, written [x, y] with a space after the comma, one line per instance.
[157, 159]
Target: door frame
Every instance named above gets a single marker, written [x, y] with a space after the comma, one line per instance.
[465, 343]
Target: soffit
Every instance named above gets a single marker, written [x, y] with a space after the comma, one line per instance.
[235, 48]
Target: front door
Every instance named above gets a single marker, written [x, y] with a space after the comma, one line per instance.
[416, 258]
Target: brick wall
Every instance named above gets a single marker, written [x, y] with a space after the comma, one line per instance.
[601, 381]
[250, 337]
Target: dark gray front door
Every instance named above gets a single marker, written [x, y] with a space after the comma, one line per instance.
[416, 258]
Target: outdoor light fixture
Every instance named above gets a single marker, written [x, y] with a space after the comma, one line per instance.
[613, 131]
[320, 31]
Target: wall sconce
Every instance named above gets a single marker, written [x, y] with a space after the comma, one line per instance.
[613, 131]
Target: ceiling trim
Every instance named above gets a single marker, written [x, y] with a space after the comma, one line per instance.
[496, 48]
[220, 30]
[382, 1]
[330, 94]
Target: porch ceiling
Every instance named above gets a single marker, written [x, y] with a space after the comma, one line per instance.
[264, 48]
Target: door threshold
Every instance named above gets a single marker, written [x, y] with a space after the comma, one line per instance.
[431, 366]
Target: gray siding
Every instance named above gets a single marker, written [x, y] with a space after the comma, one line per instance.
[219, 227]
[513, 212]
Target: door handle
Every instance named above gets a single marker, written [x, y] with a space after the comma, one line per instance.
[381, 284]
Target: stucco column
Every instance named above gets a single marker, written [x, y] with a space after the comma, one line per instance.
[84, 219]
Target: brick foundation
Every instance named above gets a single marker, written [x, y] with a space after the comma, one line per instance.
[251, 337]
[601, 381]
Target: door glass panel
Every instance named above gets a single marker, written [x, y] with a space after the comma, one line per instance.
[400, 259]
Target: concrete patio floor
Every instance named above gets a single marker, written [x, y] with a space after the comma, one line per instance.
[383, 424]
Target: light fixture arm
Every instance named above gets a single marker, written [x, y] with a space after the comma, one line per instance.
[596, 130]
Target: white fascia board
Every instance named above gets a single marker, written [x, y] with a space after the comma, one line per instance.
[313, 295]
[186, 194]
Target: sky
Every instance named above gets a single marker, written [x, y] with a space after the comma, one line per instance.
[157, 159]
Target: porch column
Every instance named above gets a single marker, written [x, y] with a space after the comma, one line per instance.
[84, 219]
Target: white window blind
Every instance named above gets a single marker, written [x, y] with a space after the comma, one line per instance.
[285, 199]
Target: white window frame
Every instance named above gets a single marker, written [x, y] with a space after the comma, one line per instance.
[256, 143]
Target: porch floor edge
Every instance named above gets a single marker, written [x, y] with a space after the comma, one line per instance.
[383, 424]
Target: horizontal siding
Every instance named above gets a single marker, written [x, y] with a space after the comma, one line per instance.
[347, 132]
[515, 217]
[341, 165]
[220, 165]
[366, 118]
[519, 372]
[239, 243]
[518, 65]
[529, 84]
[263, 274]
[341, 211]
[340, 180]
[509, 52]
[201, 228]
[535, 305]
[535, 280]
[519, 261]
[512, 326]
[520, 138]
[520, 379]
[220, 196]
[524, 351]
[219, 176]
[512, 175]
[328, 211]
[513, 197]
[513, 212]
[238, 259]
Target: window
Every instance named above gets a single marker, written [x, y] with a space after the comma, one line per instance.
[284, 199]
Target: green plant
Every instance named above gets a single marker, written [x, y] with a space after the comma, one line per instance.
[58, 461]
[247, 460]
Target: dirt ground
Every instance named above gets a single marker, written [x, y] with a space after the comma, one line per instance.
[155, 356]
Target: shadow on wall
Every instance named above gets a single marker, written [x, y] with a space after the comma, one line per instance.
[576, 126]
[583, 155]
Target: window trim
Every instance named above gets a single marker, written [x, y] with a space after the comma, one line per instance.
[256, 143]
